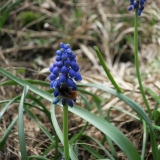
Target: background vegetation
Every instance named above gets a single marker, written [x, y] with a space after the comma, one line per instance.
[30, 34]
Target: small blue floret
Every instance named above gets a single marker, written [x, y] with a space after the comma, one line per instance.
[139, 12]
[70, 103]
[134, 5]
[55, 71]
[59, 53]
[130, 8]
[71, 73]
[56, 101]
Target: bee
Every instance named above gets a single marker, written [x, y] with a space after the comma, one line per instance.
[66, 92]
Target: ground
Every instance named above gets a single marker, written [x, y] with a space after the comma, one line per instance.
[31, 34]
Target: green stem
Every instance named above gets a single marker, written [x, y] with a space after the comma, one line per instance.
[144, 140]
[136, 60]
[156, 127]
[65, 131]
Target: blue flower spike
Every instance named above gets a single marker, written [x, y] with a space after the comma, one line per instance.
[64, 74]
[134, 5]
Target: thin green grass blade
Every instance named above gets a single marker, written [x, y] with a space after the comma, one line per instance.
[5, 5]
[90, 150]
[123, 111]
[33, 106]
[32, 88]
[76, 147]
[144, 140]
[36, 82]
[37, 157]
[106, 69]
[4, 101]
[110, 142]
[87, 104]
[77, 136]
[101, 146]
[153, 95]
[21, 135]
[103, 159]
[59, 132]
[7, 105]
[96, 99]
[45, 131]
[8, 131]
[48, 149]
[39, 103]
[100, 112]
[7, 12]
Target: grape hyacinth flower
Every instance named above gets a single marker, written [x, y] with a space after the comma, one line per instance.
[137, 3]
[64, 74]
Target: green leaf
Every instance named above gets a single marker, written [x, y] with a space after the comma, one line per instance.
[7, 105]
[39, 103]
[153, 95]
[87, 104]
[21, 135]
[100, 145]
[3, 101]
[8, 131]
[91, 151]
[103, 63]
[37, 82]
[32, 88]
[45, 131]
[77, 136]
[5, 5]
[37, 157]
[96, 99]
[156, 115]
[7, 12]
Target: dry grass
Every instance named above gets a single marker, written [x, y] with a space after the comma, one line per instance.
[82, 24]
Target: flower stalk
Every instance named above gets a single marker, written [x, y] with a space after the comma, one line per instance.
[65, 131]
[136, 60]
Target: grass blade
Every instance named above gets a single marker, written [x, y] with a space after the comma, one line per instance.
[106, 69]
[37, 157]
[37, 82]
[101, 146]
[144, 140]
[8, 131]
[45, 131]
[77, 136]
[9, 9]
[90, 150]
[23, 83]
[7, 105]
[21, 135]
[96, 99]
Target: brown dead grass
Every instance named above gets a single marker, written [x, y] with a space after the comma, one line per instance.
[100, 24]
